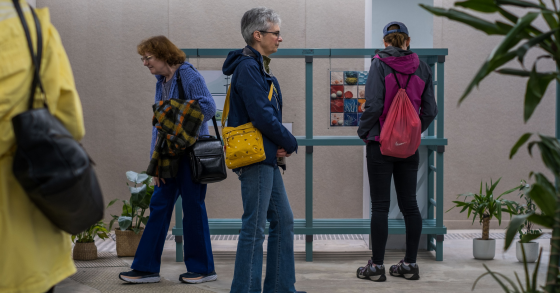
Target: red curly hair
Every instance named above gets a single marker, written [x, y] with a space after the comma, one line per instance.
[163, 49]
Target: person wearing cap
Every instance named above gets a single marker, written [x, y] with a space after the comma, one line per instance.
[395, 61]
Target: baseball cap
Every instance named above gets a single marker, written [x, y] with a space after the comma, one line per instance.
[402, 28]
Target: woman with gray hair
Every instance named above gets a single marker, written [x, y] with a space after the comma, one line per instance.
[262, 189]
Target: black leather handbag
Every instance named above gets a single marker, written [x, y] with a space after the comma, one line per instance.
[53, 168]
[208, 162]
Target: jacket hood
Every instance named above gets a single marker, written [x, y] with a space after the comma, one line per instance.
[403, 61]
[235, 57]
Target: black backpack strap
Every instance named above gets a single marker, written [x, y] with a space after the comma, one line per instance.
[35, 59]
[397, 78]
[182, 96]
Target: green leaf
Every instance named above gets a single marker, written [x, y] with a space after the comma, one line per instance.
[550, 153]
[510, 190]
[115, 218]
[516, 72]
[127, 209]
[536, 271]
[145, 220]
[137, 195]
[112, 202]
[520, 3]
[543, 199]
[125, 222]
[492, 187]
[543, 220]
[495, 276]
[550, 20]
[536, 88]
[512, 37]
[530, 237]
[522, 140]
[514, 225]
[538, 40]
[473, 21]
[513, 18]
[136, 177]
[487, 6]
[145, 201]
[487, 67]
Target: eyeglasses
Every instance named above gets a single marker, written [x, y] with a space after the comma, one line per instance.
[276, 34]
[147, 58]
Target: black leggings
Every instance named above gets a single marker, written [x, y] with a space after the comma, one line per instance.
[380, 170]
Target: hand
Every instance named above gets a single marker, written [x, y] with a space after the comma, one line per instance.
[157, 180]
[281, 152]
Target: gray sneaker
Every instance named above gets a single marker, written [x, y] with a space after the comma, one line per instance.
[373, 273]
[409, 272]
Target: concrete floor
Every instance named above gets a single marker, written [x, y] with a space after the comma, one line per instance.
[335, 263]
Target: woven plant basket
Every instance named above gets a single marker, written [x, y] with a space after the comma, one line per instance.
[85, 251]
[127, 242]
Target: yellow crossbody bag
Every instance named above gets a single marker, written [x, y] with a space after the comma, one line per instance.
[244, 143]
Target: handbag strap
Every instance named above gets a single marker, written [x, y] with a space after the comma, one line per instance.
[182, 96]
[35, 59]
[225, 112]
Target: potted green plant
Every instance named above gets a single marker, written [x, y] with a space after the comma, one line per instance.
[84, 248]
[526, 231]
[130, 221]
[485, 207]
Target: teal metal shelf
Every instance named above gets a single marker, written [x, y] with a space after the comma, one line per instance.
[435, 141]
[322, 226]
[354, 140]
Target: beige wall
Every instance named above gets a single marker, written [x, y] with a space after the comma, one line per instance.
[116, 91]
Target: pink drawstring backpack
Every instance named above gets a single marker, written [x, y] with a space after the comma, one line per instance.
[400, 135]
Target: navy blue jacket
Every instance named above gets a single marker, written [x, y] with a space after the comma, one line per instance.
[248, 98]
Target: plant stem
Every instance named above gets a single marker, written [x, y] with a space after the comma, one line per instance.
[485, 226]
[552, 272]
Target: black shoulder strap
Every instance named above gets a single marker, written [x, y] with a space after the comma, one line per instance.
[182, 96]
[36, 59]
[397, 78]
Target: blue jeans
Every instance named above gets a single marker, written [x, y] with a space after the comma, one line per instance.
[264, 198]
[196, 234]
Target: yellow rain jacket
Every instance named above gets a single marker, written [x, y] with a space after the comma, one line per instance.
[34, 254]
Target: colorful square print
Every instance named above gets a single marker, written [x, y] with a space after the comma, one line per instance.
[350, 92]
[337, 119]
[337, 90]
[350, 119]
[337, 105]
[361, 105]
[362, 77]
[361, 92]
[337, 77]
[359, 118]
[350, 77]
[350, 105]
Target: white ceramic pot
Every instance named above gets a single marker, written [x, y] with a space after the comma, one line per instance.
[531, 251]
[484, 249]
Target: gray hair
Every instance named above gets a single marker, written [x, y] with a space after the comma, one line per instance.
[257, 19]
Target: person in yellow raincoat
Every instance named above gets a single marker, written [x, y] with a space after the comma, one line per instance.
[34, 254]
